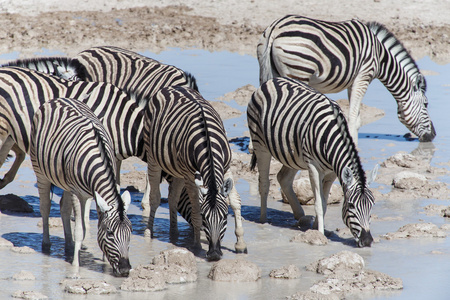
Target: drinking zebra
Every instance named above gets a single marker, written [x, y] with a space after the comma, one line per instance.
[332, 57]
[303, 129]
[185, 137]
[71, 149]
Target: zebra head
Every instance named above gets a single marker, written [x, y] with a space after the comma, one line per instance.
[357, 206]
[413, 112]
[214, 210]
[114, 232]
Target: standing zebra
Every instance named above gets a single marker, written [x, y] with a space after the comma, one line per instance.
[303, 129]
[185, 137]
[23, 91]
[71, 149]
[332, 57]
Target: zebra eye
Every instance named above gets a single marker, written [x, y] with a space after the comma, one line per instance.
[351, 206]
[109, 232]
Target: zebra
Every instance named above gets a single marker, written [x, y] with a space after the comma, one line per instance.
[136, 74]
[334, 56]
[185, 137]
[71, 149]
[304, 130]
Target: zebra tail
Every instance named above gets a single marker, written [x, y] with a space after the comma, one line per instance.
[253, 162]
[264, 54]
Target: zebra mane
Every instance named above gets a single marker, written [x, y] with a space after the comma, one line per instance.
[393, 46]
[355, 160]
[210, 154]
[191, 81]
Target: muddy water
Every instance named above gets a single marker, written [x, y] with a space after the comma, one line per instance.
[424, 274]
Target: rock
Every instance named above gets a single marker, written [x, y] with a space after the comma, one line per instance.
[4, 243]
[344, 261]
[179, 265]
[403, 160]
[309, 295]
[302, 188]
[416, 231]
[242, 95]
[29, 295]
[445, 227]
[286, 272]
[54, 222]
[24, 275]
[23, 250]
[234, 270]
[87, 286]
[148, 278]
[446, 212]
[176, 265]
[13, 203]
[312, 237]
[366, 280]
[409, 181]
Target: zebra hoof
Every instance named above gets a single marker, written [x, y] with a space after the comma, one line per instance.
[241, 249]
[147, 233]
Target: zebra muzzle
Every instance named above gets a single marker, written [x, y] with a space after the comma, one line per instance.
[365, 239]
[123, 267]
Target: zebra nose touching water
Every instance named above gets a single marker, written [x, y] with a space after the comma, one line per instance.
[71, 149]
[334, 56]
[185, 138]
[303, 129]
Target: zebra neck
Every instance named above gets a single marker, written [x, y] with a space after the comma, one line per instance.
[397, 69]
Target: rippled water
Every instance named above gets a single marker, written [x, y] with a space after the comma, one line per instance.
[424, 275]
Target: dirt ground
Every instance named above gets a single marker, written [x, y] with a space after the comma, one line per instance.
[233, 25]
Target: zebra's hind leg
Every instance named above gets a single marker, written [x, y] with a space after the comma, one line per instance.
[20, 157]
[44, 205]
[286, 177]
[235, 203]
[154, 177]
[65, 205]
[175, 188]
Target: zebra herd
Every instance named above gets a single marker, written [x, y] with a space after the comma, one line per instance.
[79, 117]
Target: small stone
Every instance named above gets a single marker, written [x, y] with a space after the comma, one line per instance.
[4, 243]
[312, 237]
[234, 270]
[23, 250]
[344, 261]
[87, 286]
[24, 275]
[29, 295]
[286, 272]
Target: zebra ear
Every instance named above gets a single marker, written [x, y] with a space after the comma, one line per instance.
[199, 183]
[347, 176]
[101, 203]
[227, 186]
[372, 175]
[419, 83]
[126, 198]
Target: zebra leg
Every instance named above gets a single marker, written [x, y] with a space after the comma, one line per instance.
[65, 205]
[196, 216]
[175, 188]
[20, 157]
[44, 187]
[235, 203]
[286, 177]
[263, 161]
[145, 203]
[80, 229]
[154, 178]
[327, 182]
[355, 95]
[316, 178]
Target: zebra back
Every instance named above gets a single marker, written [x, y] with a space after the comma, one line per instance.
[131, 71]
[63, 67]
[22, 91]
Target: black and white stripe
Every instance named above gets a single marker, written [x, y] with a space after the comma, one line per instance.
[303, 129]
[333, 56]
[185, 138]
[71, 149]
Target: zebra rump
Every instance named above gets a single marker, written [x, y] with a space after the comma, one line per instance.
[71, 149]
[304, 130]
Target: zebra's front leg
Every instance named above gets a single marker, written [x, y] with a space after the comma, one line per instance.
[20, 157]
[320, 205]
[79, 231]
[355, 95]
[44, 187]
[154, 178]
[196, 216]
[286, 178]
[175, 188]
[263, 161]
[235, 203]
[65, 207]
